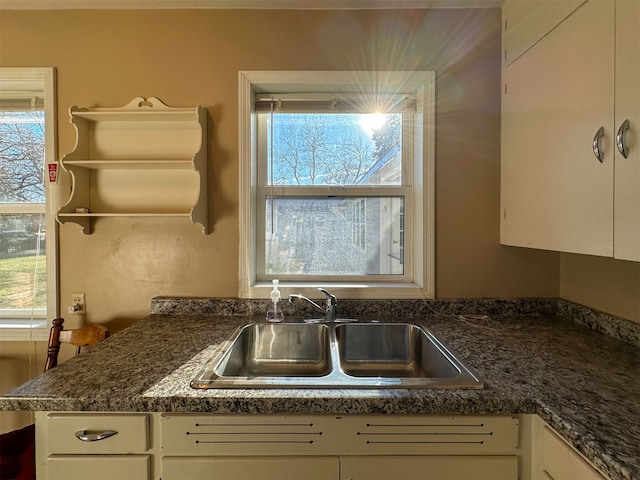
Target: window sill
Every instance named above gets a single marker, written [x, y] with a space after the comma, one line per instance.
[12, 330]
[351, 290]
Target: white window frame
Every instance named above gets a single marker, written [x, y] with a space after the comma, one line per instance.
[420, 282]
[359, 213]
[16, 327]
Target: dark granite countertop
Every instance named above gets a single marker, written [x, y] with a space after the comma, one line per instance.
[583, 383]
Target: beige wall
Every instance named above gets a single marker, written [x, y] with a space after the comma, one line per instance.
[612, 286]
[19, 362]
[105, 58]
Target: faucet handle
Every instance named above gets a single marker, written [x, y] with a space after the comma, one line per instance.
[331, 305]
[330, 296]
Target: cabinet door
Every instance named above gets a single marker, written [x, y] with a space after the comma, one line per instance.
[525, 23]
[99, 467]
[130, 433]
[429, 467]
[250, 468]
[561, 462]
[555, 194]
[627, 171]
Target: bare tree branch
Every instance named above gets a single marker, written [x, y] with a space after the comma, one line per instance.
[22, 158]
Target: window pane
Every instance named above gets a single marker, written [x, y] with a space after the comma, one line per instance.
[335, 236]
[22, 157]
[23, 281]
[336, 149]
[22, 262]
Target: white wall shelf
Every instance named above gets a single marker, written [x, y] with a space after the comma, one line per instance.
[144, 159]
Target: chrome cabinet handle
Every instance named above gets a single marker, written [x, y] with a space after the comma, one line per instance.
[596, 145]
[622, 148]
[85, 436]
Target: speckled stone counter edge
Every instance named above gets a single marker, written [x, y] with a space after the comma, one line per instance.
[601, 322]
[607, 324]
[359, 308]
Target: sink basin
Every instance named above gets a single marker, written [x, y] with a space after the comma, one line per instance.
[391, 350]
[335, 355]
[279, 350]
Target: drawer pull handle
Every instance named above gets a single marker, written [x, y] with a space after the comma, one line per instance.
[85, 436]
[597, 151]
[622, 148]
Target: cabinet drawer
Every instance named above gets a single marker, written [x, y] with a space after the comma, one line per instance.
[423, 468]
[429, 435]
[229, 435]
[250, 468]
[561, 462]
[99, 467]
[132, 433]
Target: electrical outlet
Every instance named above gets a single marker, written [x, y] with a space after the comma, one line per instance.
[77, 306]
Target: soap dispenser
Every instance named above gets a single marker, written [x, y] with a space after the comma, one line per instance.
[274, 308]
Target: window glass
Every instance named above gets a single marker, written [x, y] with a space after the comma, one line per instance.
[23, 276]
[335, 149]
[23, 273]
[22, 157]
[334, 236]
[26, 289]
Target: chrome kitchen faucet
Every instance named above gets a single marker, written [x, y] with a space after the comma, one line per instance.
[331, 304]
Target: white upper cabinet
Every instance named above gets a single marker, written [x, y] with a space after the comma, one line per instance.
[143, 159]
[556, 194]
[525, 23]
[627, 131]
[563, 186]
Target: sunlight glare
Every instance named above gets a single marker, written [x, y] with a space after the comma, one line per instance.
[371, 121]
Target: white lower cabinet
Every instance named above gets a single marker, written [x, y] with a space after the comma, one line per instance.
[93, 446]
[168, 446]
[557, 460]
[266, 447]
[453, 467]
[250, 468]
[344, 468]
[99, 467]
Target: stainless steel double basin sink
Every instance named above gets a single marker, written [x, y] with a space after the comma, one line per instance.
[335, 355]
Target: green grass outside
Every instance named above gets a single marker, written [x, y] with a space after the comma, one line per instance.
[17, 283]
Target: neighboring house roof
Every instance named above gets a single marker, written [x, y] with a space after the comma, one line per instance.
[380, 164]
